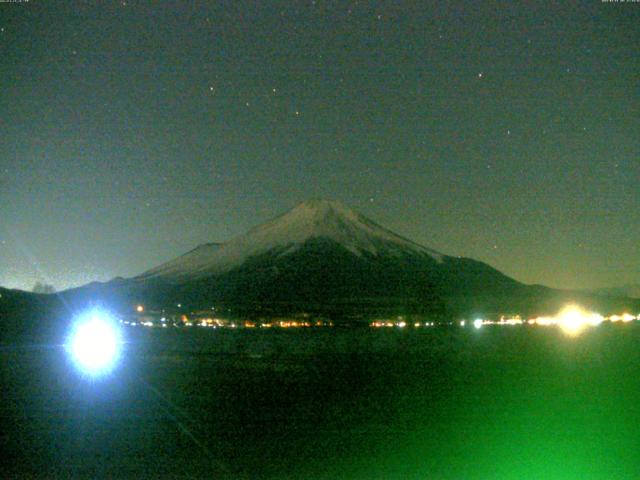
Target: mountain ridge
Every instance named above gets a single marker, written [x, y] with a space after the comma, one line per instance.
[288, 231]
[323, 258]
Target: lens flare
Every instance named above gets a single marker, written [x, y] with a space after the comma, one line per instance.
[94, 343]
[573, 319]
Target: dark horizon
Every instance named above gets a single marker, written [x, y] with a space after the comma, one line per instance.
[503, 132]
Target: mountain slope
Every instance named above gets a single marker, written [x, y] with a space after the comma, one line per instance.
[323, 257]
[321, 253]
[288, 233]
[631, 291]
[193, 261]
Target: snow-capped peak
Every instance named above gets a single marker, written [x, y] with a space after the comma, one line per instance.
[312, 219]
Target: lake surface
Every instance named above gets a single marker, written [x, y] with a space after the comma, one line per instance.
[440, 403]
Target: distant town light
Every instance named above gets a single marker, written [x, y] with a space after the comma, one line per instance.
[627, 317]
[573, 319]
[477, 323]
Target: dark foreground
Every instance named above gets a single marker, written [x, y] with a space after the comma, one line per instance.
[498, 403]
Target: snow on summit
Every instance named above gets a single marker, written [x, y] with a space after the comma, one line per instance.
[327, 219]
[312, 219]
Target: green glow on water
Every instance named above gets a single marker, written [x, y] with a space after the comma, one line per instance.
[443, 403]
[547, 407]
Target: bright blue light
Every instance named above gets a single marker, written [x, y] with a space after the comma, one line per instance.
[94, 343]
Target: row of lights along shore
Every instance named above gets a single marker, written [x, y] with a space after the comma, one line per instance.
[572, 319]
[94, 342]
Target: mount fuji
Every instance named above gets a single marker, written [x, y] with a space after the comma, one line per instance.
[289, 233]
[323, 258]
[321, 255]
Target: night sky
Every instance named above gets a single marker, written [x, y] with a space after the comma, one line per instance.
[508, 132]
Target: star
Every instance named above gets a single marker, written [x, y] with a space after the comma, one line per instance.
[480, 75]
